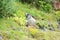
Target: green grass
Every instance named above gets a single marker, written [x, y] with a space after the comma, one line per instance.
[14, 28]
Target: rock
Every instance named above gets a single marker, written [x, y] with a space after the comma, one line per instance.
[52, 29]
[51, 26]
[59, 21]
[42, 27]
[1, 38]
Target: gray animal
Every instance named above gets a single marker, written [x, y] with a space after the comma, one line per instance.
[30, 20]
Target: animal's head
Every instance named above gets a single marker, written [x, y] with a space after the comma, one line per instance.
[28, 15]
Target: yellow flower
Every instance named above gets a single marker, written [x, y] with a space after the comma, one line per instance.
[33, 31]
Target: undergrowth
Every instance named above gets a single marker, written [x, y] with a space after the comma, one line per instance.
[14, 28]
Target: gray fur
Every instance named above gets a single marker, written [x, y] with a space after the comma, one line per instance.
[30, 20]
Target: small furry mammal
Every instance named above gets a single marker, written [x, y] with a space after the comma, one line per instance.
[30, 20]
